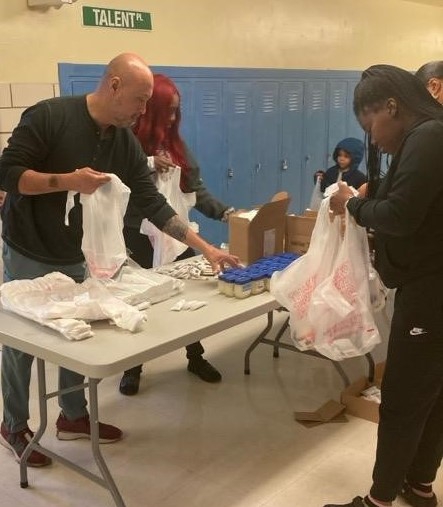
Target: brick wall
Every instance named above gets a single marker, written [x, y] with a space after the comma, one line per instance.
[15, 98]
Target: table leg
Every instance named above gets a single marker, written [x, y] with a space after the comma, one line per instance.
[106, 479]
[93, 417]
[43, 423]
[258, 340]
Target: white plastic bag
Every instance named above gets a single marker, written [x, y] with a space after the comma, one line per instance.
[340, 308]
[103, 244]
[317, 196]
[294, 286]
[377, 290]
[166, 248]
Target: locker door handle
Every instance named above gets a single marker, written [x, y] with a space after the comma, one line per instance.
[257, 167]
[284, 165]
[230, 172]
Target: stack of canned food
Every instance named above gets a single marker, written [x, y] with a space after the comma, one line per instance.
[255, 278]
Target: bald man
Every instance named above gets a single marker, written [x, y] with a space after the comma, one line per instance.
[62, 144]
[431, 75]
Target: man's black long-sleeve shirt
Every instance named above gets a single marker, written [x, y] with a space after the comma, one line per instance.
[58, 136]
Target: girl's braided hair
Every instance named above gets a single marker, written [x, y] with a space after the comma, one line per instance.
[379, 83]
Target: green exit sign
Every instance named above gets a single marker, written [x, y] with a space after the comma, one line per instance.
[114, 18]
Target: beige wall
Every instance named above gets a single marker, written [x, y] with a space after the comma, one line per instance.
[314, 34]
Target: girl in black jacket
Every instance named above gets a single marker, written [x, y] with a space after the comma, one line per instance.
[406, 212]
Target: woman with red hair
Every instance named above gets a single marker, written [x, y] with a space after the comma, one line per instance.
[158, 132]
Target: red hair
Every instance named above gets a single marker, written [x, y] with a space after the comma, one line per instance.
[152, 127]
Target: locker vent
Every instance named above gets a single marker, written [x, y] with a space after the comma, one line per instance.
[240, 103]
[268, 102]
[294, 101]
[338, 99]
[210, 103]
[317, 99]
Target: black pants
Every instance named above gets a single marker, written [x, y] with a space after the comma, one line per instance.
[410, 432]
[142, 253]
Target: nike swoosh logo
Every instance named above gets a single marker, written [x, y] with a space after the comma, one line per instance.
[415, 331]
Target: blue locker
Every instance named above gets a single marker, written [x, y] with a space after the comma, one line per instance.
[315, 136]
[353, 126]
[338, 116]
[187, 124]
[239, 147]
[291, 138]
[210, 147]
[266, 132]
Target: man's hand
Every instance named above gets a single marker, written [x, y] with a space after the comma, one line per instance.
[340, 198]
[219, 259]
[87, 180]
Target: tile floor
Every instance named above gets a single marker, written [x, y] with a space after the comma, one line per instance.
[235, 444]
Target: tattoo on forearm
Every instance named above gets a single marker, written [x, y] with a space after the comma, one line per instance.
[176, 228]
[53, 181]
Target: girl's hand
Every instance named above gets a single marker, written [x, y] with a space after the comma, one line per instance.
[362, 191]
[340, 198]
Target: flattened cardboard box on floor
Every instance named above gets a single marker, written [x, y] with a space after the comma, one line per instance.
[299, 231]
[329, 412]
[355, 403]
[263, 235]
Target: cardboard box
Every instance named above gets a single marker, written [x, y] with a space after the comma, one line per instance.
[299, 231]
[357, 405]
[263, 235]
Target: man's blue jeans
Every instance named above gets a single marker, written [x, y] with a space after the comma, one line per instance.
[16, 365]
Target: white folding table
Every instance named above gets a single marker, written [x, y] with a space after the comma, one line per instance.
[113, 350]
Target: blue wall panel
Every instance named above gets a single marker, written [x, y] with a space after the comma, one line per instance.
[253, 131]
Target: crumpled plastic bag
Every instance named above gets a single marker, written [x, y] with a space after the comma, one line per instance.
[57, 301]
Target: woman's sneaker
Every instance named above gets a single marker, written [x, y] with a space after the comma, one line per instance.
[130, 383]
[204, 369]
[17, 443]
[416, 500]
